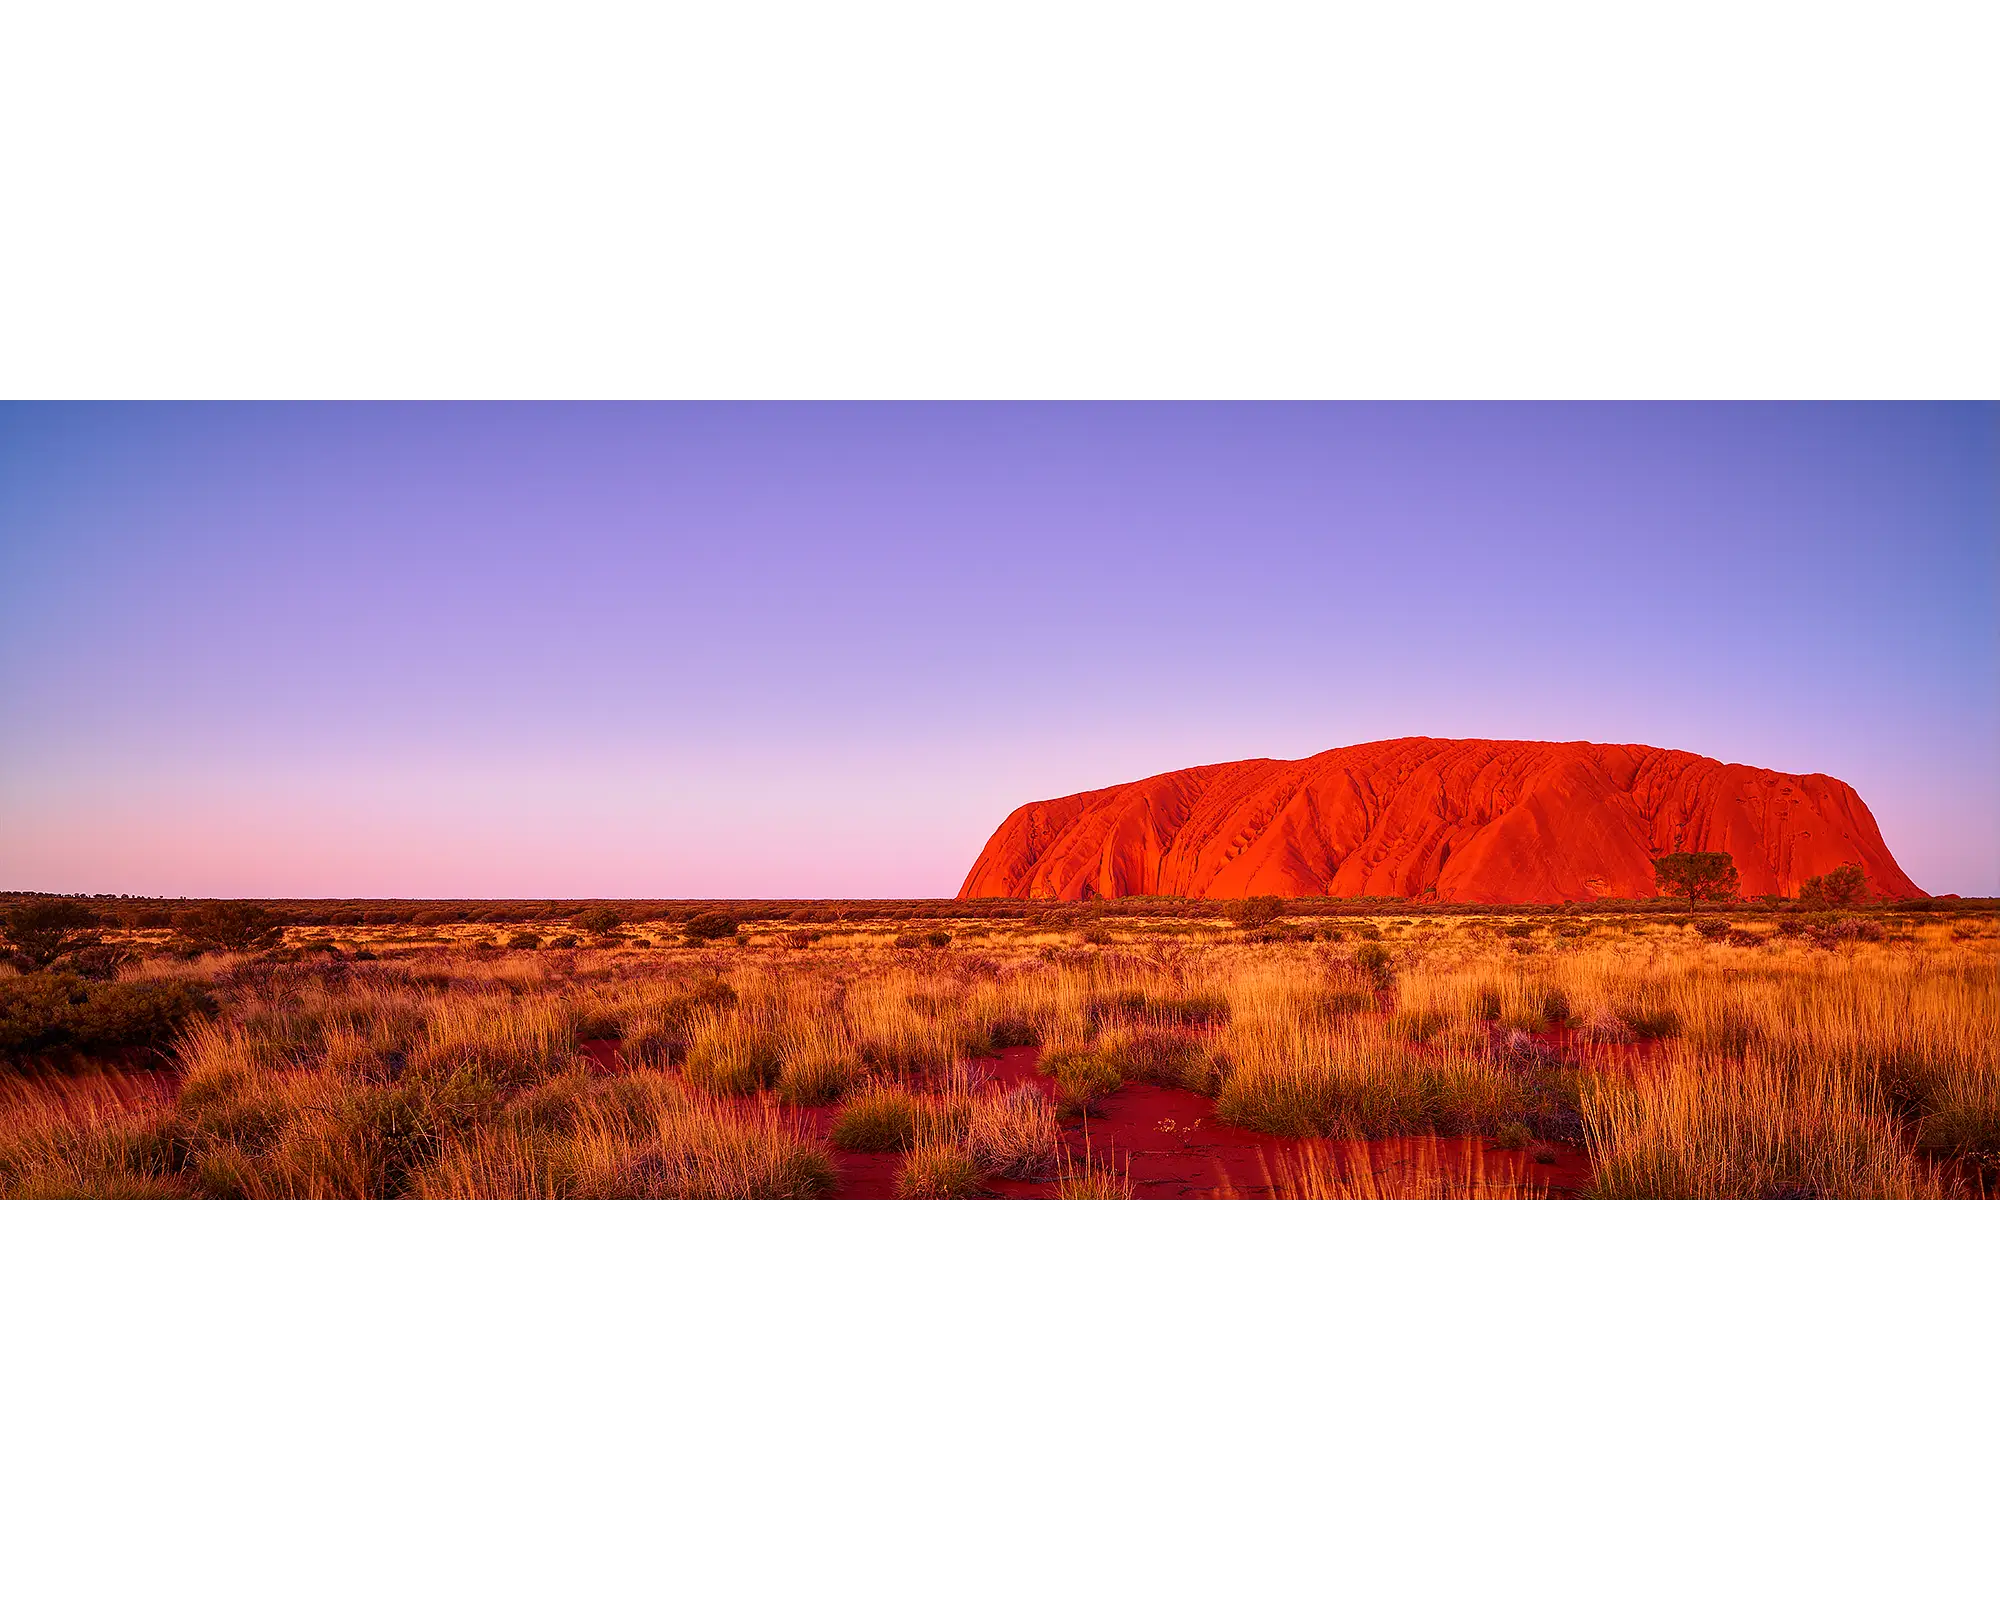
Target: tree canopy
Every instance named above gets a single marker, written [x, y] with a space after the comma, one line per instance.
[41, 932]
[1835, 890]
[1697, 875]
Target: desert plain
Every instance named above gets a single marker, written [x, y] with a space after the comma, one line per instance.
[1142, 1047]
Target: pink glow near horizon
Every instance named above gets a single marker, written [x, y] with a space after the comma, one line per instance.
[821, 651]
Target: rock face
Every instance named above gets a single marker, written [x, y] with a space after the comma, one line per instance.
[1471, 821]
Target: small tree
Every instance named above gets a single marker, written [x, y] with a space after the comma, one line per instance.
[600, 920]
[1834, 891]
[710, 925]
[1698, 874]
[42, 932]
[1375, 961]
[233, 925]
[1259, 910]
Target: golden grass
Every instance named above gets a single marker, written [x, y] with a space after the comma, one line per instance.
[1095, 1177]
[646, 1139]
[1762, 1128]
[1015, 1134]
[1687, 1066]
[1423, 1168]
[934, 1170]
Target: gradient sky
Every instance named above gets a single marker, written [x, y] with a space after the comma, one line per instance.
[805, 650]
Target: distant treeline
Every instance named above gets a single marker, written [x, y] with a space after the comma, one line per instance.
[141, 912]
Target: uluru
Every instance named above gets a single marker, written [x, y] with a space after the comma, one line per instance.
[1466, 821]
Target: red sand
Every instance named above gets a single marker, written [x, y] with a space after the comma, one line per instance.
[1468, 821]
[1170, 1144]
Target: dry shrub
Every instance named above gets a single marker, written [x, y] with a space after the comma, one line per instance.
[1160, 1007]
[1604, 1027]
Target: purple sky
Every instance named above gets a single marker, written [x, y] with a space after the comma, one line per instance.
[806, 650]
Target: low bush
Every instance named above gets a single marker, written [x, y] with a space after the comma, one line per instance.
[1835, 890]
[53, 1014]
[1198, 1010]
[39, 932]
[1259, 910]
[99, 961]
[231, 925]
[710, 925]
[1375, 961]
[1333, 1004]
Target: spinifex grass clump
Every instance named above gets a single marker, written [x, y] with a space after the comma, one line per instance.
[93, 1137]
[1429, 997]
[1708, 1128]
[250, 1125]
[1160, 1008]
[658, 1019]
[817, 1060]
[1083, 1077]
[879, 1117]
[1015, 1134]
[641, 1138]
[1169, 1057]
[938, 1171]
[512, 1041]
[733, 1052]
[1420, 1168]
[1356, 1084]
[1095, 1177]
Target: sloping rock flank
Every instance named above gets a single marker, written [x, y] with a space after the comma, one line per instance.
[1469, 821]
